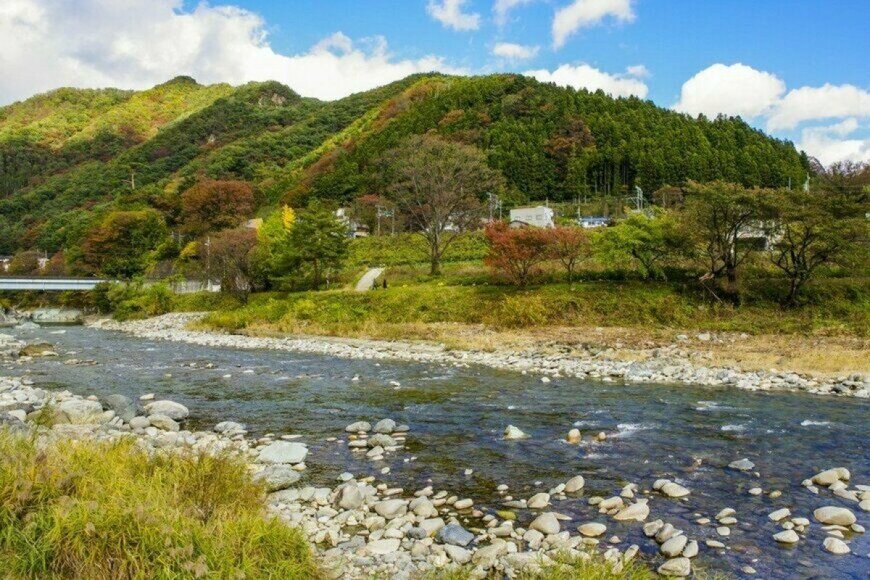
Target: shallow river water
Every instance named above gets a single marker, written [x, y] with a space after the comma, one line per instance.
[457, 417]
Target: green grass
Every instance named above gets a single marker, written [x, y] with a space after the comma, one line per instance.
[839, 307]
[409, 249]
[101, 510]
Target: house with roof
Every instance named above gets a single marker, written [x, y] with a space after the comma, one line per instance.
[539, 216]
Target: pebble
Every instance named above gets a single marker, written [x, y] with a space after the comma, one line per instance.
[592, 530]
[786, 537]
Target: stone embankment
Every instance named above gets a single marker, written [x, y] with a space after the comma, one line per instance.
[664, 367]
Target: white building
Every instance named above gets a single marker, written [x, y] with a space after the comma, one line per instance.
[591, 222]
[539, 216]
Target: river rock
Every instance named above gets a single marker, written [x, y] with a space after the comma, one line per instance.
[139, 423]
[674, 546]
[381, 547]
[575, 484]
[512, 433]
[56, 316]
[836, 546]
[350, 497]
[230, 428]
[455, 535]
[385, 426]
[786, 537]
[171, 409]
[637, 511]
[676, 567]
[779, 514]
[363, 426]
[81, 411]
[742, 465]
[431, 525]
[538, 501]
[163, 422]
[546, 523]
[670, 488]
[278, 477]
[592, 529]
[458, 554]
[381, 440]
[691, 549]
[574, 437]
[834, 515]
[391, 508]
[652, 528]
[463, 504]
[283, 452]
[123, 406]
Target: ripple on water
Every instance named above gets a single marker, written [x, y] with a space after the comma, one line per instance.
[812, 423]
[629, 429]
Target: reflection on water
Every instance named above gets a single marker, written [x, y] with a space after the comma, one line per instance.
[457, 416]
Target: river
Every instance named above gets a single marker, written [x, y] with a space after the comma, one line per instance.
[457, 416]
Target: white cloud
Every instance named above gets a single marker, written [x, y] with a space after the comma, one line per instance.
[138, 43]
[513, 51]
[502, 9]
[757, 95]
[825, 102]
[450, 14]
[585, 13]
[734, 89]
[828, 143]
[638, 70]
[590, 78]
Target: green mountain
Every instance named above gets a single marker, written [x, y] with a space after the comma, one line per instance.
[70, 156]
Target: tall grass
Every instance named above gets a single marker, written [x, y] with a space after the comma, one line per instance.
[108, 510]
[845, 309]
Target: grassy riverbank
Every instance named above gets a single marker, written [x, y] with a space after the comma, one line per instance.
[85, 509]
[96, 510]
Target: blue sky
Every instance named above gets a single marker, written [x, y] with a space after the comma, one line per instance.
[804, 42]
[795, 68]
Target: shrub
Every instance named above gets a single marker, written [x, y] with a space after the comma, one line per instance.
[78, 509]
[516, 254]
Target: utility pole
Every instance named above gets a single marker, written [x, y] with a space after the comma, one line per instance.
[208, 263]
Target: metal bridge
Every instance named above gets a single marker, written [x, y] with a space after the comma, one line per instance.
[49, 284]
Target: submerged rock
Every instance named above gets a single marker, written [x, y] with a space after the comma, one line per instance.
[512, 433]
[742, 465]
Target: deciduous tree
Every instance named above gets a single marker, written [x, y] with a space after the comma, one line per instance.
[812, 230]
[438, 187]
[651, 241]
[122, 245]
[716, 213]
[228, 256]
[215, 205]
[516, 253]
[570, 246]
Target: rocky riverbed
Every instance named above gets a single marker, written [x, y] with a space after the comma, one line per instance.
[363, 526]
[668, 365]
[695, 477]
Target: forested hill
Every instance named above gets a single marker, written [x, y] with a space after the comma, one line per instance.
[69, 157]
